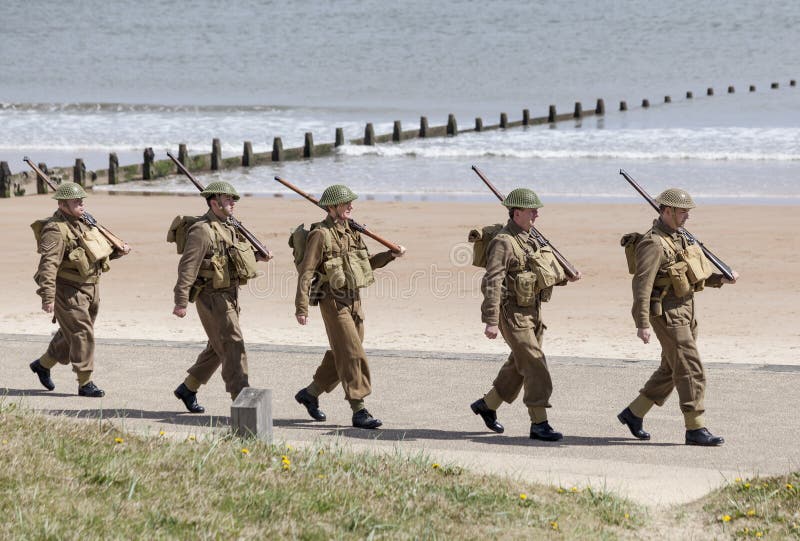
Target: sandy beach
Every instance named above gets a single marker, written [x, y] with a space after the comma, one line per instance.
[429, 300]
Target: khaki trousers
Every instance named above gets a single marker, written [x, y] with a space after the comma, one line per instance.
[346, 361]
[75, 309]
[680, 367]
[526, 365]
[219, 313]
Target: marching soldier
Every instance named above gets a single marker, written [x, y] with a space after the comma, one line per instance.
[336, 264]
[667, 271]
[73, 255]
[216, 260]
[520, 275]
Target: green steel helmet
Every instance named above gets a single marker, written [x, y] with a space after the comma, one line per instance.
[220, 187]
[69, 190]
[522, 198]
[675, 197]
[336, 195]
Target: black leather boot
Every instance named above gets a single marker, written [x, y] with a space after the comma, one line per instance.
[189, 399]
[543, 431]
[488, 415]
[311, 403]
[91, 390]
[363, 419]
[701, 436]
[634, 424]
[44, 375]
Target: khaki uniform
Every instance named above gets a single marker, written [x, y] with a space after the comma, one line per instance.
[521, 326]
[676, 327]
[218, 308]
[76, 298]
[345, 361]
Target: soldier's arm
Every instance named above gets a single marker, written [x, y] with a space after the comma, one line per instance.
[381, 259]
[51, 250]
[308, 266]
[198, 244]
[649, 257]
[498, 254]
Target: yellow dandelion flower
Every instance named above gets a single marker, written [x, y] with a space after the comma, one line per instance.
[789, 486]
[435, 466]
[627, 516]
[554, 525]
[321, 452]
[759, 534]
[523, 496]
[119, 440]
[245, 451]
[286, 467]
[560, 490]
[747, 485]
[738, 480]
[726, 518]
[751, 512]
[320, 476]
[161, 433]
[191, 438]
[574, 489]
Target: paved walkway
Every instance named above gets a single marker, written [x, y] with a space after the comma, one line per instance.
[423, 400]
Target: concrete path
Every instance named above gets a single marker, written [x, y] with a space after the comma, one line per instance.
[423, 400]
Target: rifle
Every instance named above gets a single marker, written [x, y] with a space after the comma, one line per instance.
[691, 239]
[353, 224]
[257, 244]
[569, 269]
[88, 219]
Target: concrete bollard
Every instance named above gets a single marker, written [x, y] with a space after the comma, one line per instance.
[183, 155]
[397, 132]
[452, 126]
[578, 110]
[147, 167]
[423, 126]
[113, 168]
[369, 134]
[709, 91]
[667, 99]
[752, 88]
[251, 414]
[5, 180]
[689, 95]
[623, 106]
[551, 114]
[645, 103]
[731, 89]
[308, 145]
[79, 172]
[526, 117]
[774, 85]
[247, 155]
[339, 137]
[600, 108]
[277, 150]
[41, 185]
[503, 120]
[478, 123]
[216, 155]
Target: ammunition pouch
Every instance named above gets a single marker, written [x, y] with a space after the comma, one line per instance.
[698, 267]
[95, 245]
[548, 270]
[195, 290]
[333, 270]
[243, 258]
[357, 269]
[525, 288]
[678, 279]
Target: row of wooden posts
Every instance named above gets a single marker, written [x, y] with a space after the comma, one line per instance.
[150, 168]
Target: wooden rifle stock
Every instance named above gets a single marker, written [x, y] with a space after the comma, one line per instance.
[354, 224]
[569, 269]
[257, 244]
[88, 219]
[691, 239]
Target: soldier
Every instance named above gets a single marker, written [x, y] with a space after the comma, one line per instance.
[667, 271]
[335, 265]
[73, 256]
[216, 260]
[520, 275]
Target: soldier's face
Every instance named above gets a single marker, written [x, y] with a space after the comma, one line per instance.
[344, 211]
[526, 217]
[224, 205]
[73, 207]
[676, 217]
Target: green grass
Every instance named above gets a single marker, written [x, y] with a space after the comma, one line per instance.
[67, 479]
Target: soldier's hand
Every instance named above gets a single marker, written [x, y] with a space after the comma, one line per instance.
[302, 320]
[179, 311]
[735, 277]
[126, 249]
[577, 276]
[644, 334]
[47, 307]
[400, 253]
[491, 331]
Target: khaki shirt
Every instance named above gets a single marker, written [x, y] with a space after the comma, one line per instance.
[343, 240]
[500, 258]
[200, 245]
[652, 260]
[53, 251]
